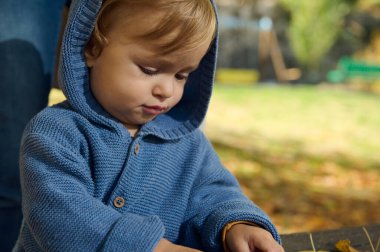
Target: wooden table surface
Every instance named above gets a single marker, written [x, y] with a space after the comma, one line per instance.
[326, 240]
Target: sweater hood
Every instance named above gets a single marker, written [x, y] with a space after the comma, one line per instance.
[182, 119]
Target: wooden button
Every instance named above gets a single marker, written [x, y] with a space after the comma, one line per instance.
[137, 149]
[119, 202]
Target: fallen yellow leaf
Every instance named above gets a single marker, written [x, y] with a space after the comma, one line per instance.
[345, 246]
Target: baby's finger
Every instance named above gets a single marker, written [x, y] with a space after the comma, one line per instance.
[239, 246]
[265, 246]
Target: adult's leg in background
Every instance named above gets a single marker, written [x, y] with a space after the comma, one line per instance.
[28, 37]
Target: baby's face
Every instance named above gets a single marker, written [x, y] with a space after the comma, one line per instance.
[135, 83]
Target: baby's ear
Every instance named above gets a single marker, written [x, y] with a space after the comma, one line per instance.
[89, 56]
[91, 53]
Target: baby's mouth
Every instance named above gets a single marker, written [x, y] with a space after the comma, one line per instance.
[153, 110]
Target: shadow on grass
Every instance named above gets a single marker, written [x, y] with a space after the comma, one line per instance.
[301, 192]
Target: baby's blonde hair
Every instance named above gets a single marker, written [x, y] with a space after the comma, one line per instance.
[192, 21]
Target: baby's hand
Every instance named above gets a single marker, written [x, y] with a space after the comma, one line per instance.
[245, 238]
[166, 246]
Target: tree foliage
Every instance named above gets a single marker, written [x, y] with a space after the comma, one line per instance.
[314, 27]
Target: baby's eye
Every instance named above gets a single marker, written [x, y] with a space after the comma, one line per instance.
[148, 70]
[181, 76]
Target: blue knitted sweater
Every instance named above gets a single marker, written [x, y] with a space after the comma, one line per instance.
[89, 186]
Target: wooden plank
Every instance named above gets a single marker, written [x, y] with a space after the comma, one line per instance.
[326, 240]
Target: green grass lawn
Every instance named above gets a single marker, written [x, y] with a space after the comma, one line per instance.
[312, 120]
[309, 155]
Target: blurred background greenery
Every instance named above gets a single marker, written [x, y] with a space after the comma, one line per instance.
[311, 37]
[294, 113]
[295, 109]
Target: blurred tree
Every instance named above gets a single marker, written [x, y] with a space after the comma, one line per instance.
[314, 27]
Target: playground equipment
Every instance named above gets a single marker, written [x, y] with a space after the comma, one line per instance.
[269, 48]
[269, 51]
[352, 69]
[237, 76]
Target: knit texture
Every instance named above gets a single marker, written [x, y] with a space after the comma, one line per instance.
[88, 186]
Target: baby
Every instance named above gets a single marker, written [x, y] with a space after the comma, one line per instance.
[121, 165]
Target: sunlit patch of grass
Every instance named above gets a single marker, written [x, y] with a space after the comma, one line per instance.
[325, 121]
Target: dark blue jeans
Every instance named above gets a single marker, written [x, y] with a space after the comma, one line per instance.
[29, 31]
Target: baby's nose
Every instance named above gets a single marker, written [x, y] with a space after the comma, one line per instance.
[164, 88]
